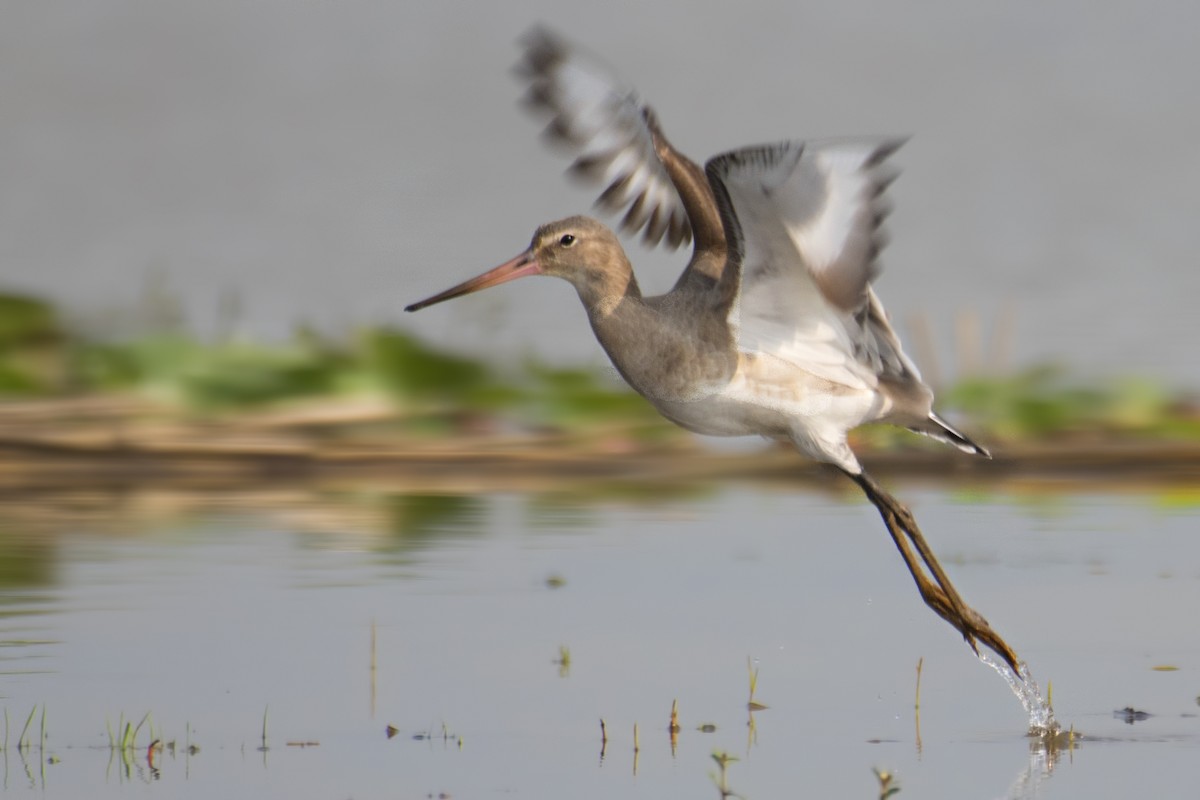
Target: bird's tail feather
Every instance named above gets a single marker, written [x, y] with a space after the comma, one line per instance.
[937, 428]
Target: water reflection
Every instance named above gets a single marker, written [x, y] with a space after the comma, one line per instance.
[416, 520]
[205, 608]
[1030, 780]
[25, 563]
[28, 566]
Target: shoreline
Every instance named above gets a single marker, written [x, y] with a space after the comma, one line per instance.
[122, 442]
[36, 462]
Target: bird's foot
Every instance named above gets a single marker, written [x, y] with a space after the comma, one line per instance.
[939, 593]
[967, 621]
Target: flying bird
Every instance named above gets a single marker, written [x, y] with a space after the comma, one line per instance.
[773, 329]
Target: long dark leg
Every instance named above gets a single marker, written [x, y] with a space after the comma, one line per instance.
[939, 593]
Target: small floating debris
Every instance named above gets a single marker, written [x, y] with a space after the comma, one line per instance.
[563, 661]
[1131, 715]
[707, 727]
[555, 581]
[429, 736]
[391, 731]
[1165, 668]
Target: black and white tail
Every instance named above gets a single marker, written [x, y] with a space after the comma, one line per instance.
[937, 428]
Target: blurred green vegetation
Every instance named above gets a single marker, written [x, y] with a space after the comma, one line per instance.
[30, 336]
[1046, 401]
[438, 392]
[431, 390]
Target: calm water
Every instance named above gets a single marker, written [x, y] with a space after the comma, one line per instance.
[345, 612]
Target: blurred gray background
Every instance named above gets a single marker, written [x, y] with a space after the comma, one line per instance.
[329, 162]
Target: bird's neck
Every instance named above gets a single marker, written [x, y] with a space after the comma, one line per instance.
[603, 292]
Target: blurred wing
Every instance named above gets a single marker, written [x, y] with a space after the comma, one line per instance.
[602, 121]
[809, 217]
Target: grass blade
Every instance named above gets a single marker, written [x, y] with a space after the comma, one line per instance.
[23, 743]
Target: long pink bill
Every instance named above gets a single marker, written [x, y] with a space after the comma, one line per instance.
[519, 267]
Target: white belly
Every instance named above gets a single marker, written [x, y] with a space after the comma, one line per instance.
[771, 398]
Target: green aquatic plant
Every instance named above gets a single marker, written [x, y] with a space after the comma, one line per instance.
[751, 703]
[887, 783]
[563, 661]
[23, 740]
[721, 778]
[126, 735]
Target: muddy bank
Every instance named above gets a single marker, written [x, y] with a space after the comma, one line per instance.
[210, 457]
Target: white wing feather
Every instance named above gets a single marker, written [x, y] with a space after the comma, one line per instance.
[810, 218]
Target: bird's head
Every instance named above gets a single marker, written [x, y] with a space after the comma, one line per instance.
[578, 249]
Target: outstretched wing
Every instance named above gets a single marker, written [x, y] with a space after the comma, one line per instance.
[602, 121]
[809, 220]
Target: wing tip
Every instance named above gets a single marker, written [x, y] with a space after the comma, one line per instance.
[613, 142]
[886, 148]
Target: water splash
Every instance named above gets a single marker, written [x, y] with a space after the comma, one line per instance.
[1042, 723]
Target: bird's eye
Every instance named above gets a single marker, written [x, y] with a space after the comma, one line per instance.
[567, 239]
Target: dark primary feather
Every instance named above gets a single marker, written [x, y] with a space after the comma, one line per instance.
[596, 117]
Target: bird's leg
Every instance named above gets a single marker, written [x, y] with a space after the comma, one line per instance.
[941, 596]
[896, 514]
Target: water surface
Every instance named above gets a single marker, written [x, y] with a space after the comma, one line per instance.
[444, 616]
